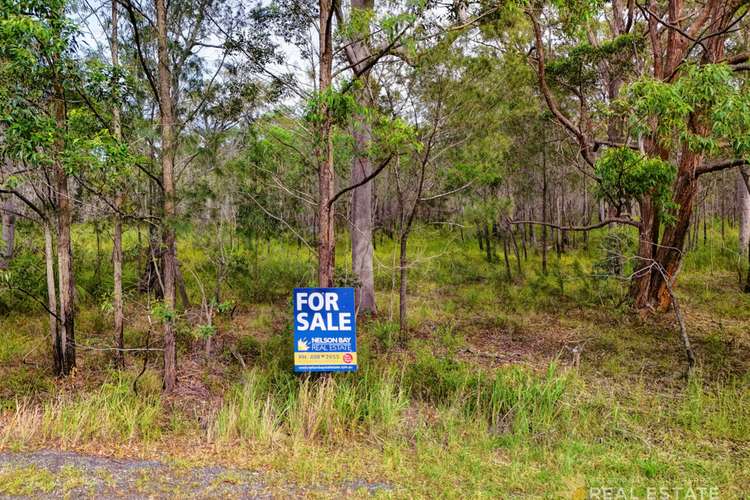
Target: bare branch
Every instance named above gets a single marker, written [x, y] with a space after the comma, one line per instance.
[607, 222]
[720, 165]
[447, 193]
[547, 93]
[364, 181]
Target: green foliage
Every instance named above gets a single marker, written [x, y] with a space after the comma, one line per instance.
[625, 174]
[111, 411]
[488, 212]
[359, 23]
[35, 39]
[24, 280]
[270, 281]
[710, 92]
[579, 68]
[331, 104]
[574, 13]
[163, 313]
[394, 134]
[204, 331]
[344, 277]
[266, 406]
[109, 162]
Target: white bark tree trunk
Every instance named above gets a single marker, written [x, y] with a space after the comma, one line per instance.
[49, 259]
[743, 207]
[9, 232]
[361, 226]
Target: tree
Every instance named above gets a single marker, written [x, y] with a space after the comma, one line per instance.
[677, 121]
[361, 225]
[37, 79]
[180, 82]
[118, 205]
[167, 119]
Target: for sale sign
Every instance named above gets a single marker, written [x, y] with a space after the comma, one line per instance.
[325, 331]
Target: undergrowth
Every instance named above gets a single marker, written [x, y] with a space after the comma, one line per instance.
[432, 413]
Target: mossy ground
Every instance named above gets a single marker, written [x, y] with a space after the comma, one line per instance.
[486, 398]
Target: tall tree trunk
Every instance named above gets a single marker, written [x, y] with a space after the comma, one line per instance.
[586, 216]
[167, 164]
[9, 232]
[402, 287]
[642, 269]
[98, 261]
[743, 206]
[65, 272]
[669, 254]
[705, 222]
[488, 237]
[361, 216]
[180, 287]
[54, 330]
[648, 237]
[117, 290]
[361, 228]
[64, 245]
[505, 257]
[719, 16]
[515, 249]
[117, 230]
[559, 234]
[324, 152]
[544, 209]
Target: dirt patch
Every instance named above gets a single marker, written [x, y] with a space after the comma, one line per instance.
[535, 343]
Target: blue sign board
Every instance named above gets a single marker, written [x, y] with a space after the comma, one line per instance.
[325, 330]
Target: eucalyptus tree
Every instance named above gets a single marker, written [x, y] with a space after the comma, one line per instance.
[182, 48]
[117, 300]
[365, 39]
[358, 53]
[680, 107]
[368, 39]
[52, 134]
[36, 83]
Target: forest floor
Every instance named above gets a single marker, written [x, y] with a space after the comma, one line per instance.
[539, 386]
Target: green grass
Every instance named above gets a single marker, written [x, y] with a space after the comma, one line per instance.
[29, 480]
[481, 401]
